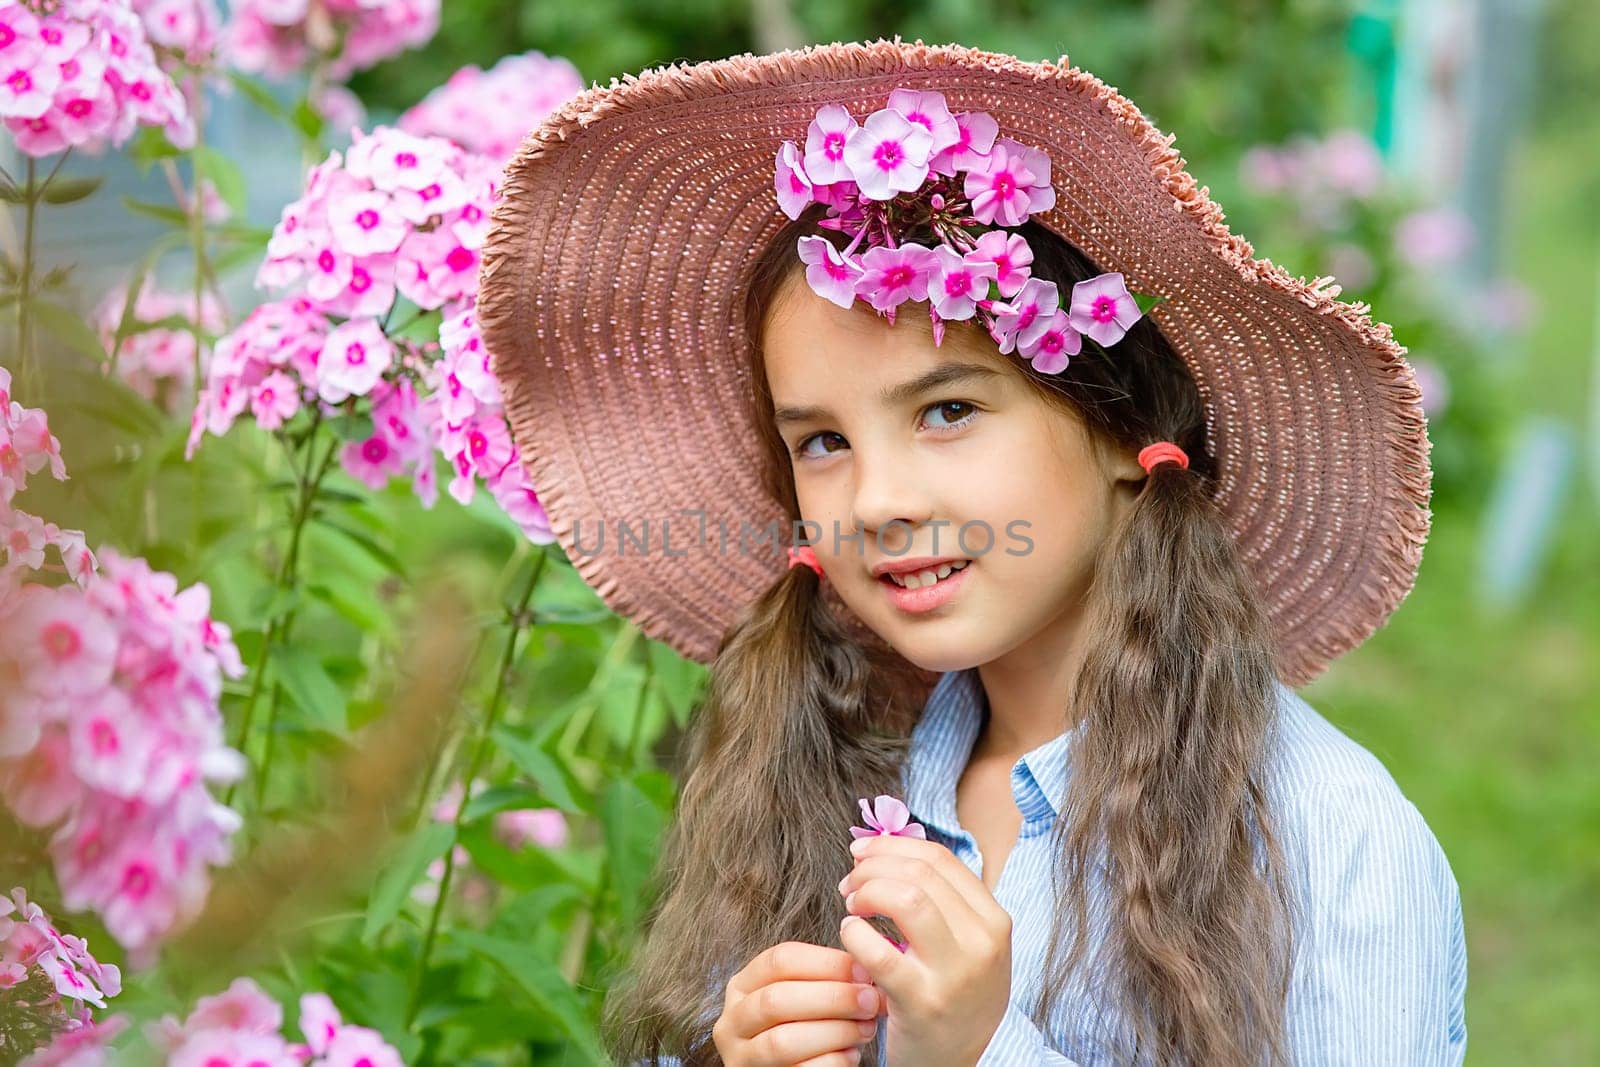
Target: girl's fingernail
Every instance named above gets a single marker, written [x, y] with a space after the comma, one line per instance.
[848, 900]
[859, 845]
[868, 999]
[842, 882]
[855, 1053]
[859, 973]
[868, 1028]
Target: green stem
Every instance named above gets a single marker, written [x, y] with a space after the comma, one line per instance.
[602, 883]
[517, 619]
[307, 486]
[307, 498]
[30, 200]
[197, 232]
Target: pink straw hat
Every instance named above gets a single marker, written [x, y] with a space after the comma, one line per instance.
[610, 301]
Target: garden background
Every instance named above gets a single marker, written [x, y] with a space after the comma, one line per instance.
[387, 619]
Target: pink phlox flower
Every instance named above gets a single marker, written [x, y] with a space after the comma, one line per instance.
[887, 815]
[83, 1045]
[545, 827]
[519, 499]
[888, 154]
[929, 110]
[1012, 257]
[830, 274]
[1051, 350]
[826, 138]
[976, 131]
[360, 1046]
[366, 224]
[232, 1048]
[1010, 184]
[487, 112]
[354, 356]
[790, 181]
[1102, 308]
[1027, 315]
[891, 276]
[277, 398]
[958, 282]
[243, 1006]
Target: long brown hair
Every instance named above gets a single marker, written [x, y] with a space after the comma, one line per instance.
[1174, 699]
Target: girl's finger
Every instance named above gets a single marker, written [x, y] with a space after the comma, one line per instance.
[941, 859]
[957, 910]
[916, 911]
[800, 1000]
[892, 971]
[796, 1042]
[791, 959]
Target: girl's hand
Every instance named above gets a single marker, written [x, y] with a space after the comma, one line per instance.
[948, 991]
[796, 1004]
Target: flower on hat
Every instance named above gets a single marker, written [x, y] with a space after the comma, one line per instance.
[1103, 309]
[888, 155]
[926, 197]
[830, 275]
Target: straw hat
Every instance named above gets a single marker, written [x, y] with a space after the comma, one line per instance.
[609, 300]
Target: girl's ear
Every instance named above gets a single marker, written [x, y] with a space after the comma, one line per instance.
[1121, 464]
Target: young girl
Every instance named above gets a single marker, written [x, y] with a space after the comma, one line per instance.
[1102, 482]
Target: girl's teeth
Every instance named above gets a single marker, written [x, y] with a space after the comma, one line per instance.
[921, 578]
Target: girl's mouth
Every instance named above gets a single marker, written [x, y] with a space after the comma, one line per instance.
[925, 590]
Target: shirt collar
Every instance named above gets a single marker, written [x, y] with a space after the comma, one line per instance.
[942, 741]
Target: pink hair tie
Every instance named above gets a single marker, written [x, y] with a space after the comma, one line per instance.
[1161, 451]
[807, 555]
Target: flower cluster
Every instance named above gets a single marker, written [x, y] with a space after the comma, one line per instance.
[26, 447]
[912, 168]
[470, 425]
[81, 74]
[241, 1027]
[50, 977]
[157, 359]
[278, 37]
[398, 215]
[185, 32]
[488, 112]
[114, 728]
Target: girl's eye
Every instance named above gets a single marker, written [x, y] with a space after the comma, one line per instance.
[957, 404]
[801, 450]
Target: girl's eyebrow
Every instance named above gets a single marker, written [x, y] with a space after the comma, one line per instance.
[944, 374]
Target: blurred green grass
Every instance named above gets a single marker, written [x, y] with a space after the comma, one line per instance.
[1490, 721]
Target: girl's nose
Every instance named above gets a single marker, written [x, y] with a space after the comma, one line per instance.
[889, 503]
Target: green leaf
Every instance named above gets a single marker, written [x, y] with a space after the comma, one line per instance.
[544, 984]
[385, 558]
[539, 765]
[71, 190]
[272, 602]
[631, 823]
[167, 213]
[224, 174]
[424, 846]
[355, 426]
[69, 327]
[678, 680]
[1145, 301]
[149, 146]
[259, 95]
[307, 120]
[500, 798]
[310, 686]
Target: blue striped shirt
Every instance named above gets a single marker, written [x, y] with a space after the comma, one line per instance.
[1380, 969]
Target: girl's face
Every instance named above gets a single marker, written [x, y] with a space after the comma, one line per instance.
[943, 452]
